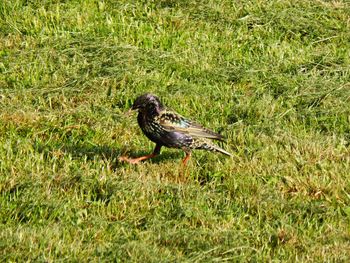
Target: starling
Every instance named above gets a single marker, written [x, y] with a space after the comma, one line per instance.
[169, 129]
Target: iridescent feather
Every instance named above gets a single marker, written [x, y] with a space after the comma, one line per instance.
[167, 128]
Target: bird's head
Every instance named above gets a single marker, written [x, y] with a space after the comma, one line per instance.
[147, 103]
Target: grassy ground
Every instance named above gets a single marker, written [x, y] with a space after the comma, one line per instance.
[272, 76]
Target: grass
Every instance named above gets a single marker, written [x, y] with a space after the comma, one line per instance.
[272, 76]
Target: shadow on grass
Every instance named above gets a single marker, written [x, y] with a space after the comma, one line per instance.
[110, 154]
[96, 153]
[106, 153]
[162, 157]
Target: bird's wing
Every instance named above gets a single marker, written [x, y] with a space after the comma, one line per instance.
[174, 122]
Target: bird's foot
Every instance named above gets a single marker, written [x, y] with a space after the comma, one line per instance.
[129, 160]
[136, 160]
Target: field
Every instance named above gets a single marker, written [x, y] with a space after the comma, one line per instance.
[271, 76]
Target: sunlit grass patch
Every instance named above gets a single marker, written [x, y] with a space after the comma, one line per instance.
[273, 77]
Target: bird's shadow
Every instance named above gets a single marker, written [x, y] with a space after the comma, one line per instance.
[162, 157]
[90, 152]
[110, 154]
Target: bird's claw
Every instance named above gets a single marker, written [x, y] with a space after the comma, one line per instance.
[128, 160]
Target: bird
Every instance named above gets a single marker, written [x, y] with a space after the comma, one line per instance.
[169, 129]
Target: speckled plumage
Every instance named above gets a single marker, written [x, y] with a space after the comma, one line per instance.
[167, 128]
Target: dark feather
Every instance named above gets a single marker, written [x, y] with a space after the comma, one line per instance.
[167, 128]
[174, 122]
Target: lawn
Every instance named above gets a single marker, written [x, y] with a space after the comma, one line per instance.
[271, 76]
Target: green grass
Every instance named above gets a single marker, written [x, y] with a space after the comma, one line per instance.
[272, 76]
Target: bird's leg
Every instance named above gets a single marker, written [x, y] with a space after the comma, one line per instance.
[187, 157]
[141, 158]
[182, 177]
